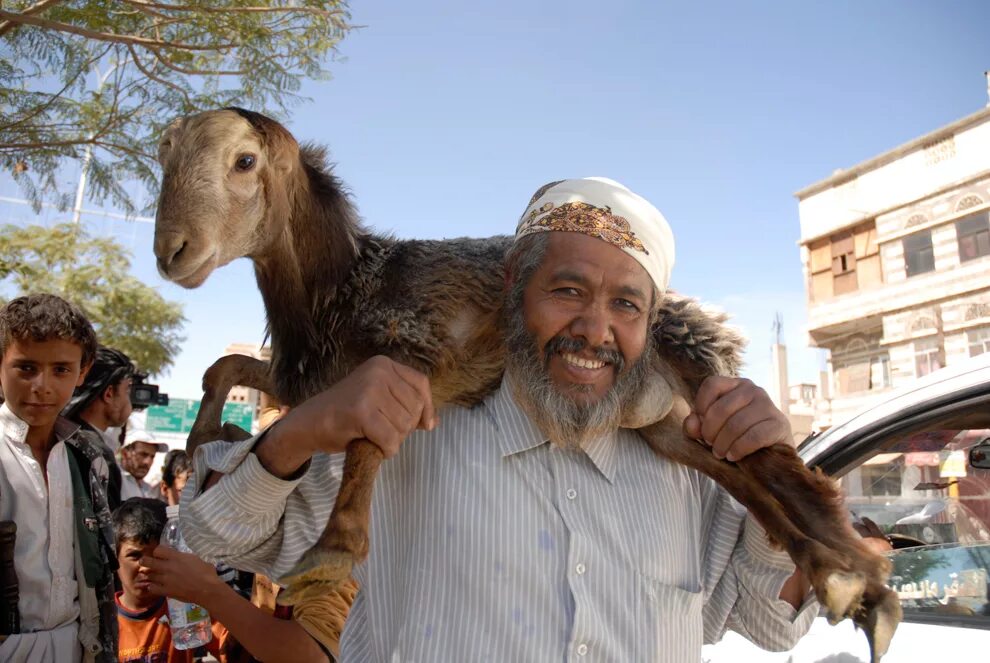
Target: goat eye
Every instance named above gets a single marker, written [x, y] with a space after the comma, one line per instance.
[245, 162]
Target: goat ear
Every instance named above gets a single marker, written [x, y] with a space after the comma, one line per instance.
[165, 143]
[283, 150]
[281, 147]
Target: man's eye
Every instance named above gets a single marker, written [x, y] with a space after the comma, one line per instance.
[567, 292]
[626, 304]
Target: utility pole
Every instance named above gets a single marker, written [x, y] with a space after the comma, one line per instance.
[88, 153]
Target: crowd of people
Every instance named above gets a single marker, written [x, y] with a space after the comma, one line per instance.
[90, 579]
[532, 527]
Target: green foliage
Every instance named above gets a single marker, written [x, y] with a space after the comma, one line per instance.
[94, 274]
[158, 61]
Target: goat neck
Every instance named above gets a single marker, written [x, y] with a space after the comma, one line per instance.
[313, 244]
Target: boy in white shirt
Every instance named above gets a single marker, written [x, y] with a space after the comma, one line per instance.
[53, 481]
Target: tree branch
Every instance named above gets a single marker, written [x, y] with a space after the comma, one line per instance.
[326, 13]
[107, 145]
[7, 26]
[53, 98]
[146, 72]
[195, 72]
[109, 36]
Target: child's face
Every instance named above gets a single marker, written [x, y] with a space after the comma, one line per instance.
[133, 576]
[38, 378]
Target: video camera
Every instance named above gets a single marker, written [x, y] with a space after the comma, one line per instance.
[144, 394]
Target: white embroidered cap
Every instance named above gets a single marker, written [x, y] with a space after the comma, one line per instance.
[603, 208]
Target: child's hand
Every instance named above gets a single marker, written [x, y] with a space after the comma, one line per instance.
[182, 576]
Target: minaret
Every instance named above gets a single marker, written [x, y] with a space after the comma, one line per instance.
[779, 384]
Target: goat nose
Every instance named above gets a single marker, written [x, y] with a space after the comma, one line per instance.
[168, 247]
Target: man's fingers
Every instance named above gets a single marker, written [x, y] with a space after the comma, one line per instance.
[754, 439]
[718, 413]
[733, 430]
[712, 389]
[421, 384]
[692, 427]
[380, 431]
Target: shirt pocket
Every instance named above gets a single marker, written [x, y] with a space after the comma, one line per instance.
[669, 619]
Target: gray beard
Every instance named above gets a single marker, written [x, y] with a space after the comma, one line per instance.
[567, 423]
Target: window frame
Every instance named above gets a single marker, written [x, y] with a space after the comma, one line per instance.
[929, 249]
[984, 216]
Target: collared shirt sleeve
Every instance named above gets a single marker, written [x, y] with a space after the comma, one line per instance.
[744, 577]
[251, 519]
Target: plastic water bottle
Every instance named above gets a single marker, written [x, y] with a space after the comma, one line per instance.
[190, 623]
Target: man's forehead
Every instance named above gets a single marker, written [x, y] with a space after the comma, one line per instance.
[582, 254]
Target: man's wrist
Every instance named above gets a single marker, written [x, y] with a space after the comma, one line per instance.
[283, 454]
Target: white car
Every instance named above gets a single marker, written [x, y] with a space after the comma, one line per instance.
[917, 465]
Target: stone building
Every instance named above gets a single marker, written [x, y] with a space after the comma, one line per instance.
[896, 256]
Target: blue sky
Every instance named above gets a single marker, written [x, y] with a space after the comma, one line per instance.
[443, 118]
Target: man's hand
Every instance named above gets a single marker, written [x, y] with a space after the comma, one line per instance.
[182, 576]
[381, 400]
[736, 418]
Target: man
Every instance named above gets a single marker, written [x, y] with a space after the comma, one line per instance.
[137, 456]
[532, 527]
[102, 403]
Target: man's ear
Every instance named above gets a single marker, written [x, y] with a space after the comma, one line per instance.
[108, 393]
[83, 372]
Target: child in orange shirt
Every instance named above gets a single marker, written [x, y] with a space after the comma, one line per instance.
[142, 617]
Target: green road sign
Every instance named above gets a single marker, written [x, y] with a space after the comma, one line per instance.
[180, 413]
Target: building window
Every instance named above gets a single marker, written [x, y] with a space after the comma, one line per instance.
[879, 372]
[861, 370]
[844, 262]
[979, 341]
[919, 257]
[973, 233]
[927, 357]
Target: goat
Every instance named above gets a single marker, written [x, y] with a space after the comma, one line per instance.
[236, 183]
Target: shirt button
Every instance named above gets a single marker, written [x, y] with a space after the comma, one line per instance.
[579, 569]
[571, 493]
[582, 649]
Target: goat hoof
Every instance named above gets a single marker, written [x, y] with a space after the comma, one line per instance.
[843, 594]
[880, 623]
[317, 572]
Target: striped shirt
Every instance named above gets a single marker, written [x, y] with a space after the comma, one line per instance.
[489, 544]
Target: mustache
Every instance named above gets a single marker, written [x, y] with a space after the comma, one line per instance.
[559, 344]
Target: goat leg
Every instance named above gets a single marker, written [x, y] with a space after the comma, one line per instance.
[836, 584]
[813, 503]
[225, 373]
[344, 542]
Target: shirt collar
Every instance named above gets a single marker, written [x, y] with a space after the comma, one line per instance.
[15, 429]
[519, 433]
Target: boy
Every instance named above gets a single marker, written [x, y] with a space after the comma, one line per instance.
[142, 614]
[53, 482]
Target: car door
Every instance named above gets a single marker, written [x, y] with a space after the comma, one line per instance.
[908, 472]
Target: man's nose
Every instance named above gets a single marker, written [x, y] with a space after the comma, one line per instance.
[594, 325]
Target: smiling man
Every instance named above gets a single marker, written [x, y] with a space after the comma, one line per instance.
[532, 527]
